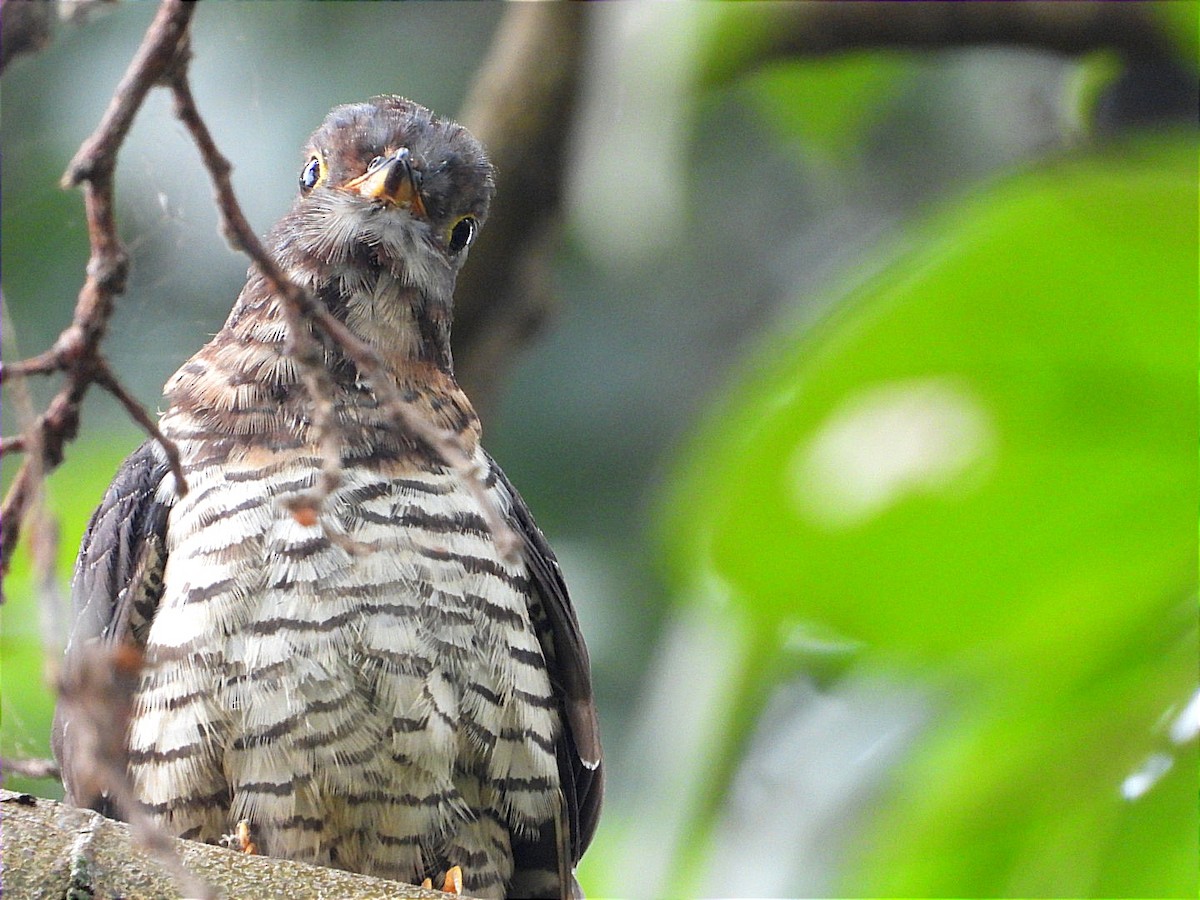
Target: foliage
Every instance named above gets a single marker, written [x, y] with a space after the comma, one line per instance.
[981, 471]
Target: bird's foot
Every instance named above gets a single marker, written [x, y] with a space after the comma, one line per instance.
[240, 840]
[453, 883]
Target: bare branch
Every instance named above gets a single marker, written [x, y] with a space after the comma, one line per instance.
[104, 377]
[96, 694]
[45, 363]
[30, 768]
[44, 841]
[162, 58]
[302, 346]
[76, 353]
[522, 109]
[164, 46]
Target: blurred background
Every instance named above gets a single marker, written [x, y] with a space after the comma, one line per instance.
[864, 424]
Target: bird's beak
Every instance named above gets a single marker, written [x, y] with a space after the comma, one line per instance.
[393, 181]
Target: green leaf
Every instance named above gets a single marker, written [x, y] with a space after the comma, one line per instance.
[827, 105]
[982, 470]
[1180, 19]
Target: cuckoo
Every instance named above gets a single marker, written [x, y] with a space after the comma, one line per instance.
[383, 687]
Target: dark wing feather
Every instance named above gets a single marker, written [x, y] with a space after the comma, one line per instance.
[580, 759]
[117, 582]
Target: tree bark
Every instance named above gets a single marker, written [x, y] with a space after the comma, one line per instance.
[56, 851]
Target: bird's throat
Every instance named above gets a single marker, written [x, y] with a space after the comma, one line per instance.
[400, 322]
[246, 382]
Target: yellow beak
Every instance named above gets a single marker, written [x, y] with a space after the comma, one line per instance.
[392, 181]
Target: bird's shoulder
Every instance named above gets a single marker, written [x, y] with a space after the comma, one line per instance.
[118, 573]
[115, 590]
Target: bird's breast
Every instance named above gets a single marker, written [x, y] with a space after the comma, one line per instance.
[369, 677]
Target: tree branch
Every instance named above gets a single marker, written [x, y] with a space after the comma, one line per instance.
[305, 313]
[522, 108]
[77, 352]
[31, 768]
[163, 58]
[789, 30]
[52, 850]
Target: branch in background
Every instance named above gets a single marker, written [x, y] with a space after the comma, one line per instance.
[522, 109]
[96, 695]
[29, 24]
[163, 58]
[789, 30]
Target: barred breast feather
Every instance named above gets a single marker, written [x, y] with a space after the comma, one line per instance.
[380, 690]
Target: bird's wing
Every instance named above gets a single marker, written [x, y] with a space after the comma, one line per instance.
[117, 582]
[580, 760]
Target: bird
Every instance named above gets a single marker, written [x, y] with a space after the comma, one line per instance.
[384, 687]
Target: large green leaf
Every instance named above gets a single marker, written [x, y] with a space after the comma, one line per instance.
[982, 470]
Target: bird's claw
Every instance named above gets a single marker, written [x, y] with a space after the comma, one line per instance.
[453, 883]
[240, 840]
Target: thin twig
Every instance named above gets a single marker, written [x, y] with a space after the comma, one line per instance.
[46, 363]
[165, 41]
[30, 768]
[301, 345]
[96, 691]
[109, 678]
[105, 378]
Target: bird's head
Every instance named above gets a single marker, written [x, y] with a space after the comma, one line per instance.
[391, 198]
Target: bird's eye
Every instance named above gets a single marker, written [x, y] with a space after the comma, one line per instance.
[375, 163]
[310, 175]
[461, 234]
